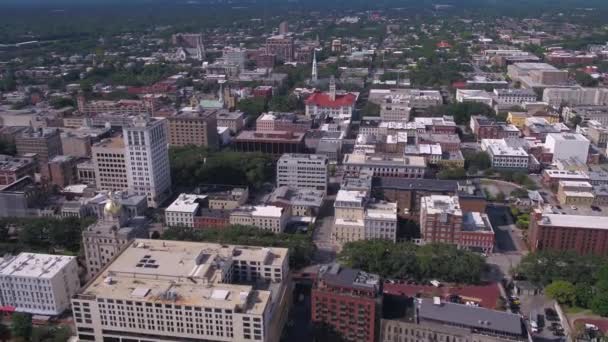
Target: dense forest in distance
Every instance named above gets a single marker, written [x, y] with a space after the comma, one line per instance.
[22, 20]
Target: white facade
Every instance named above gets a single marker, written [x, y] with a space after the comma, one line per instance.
[514, 96]
[147, 159]
[39, 284]
[207, 292]
[395, 109]
[303, 171]
[473, 95]
[381, 221]
[576, 96]
[266, 217]
[182, 211]
[567, 146]
[505, 156]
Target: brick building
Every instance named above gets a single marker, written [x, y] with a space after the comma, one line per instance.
[193, 128]
[578, 233]
[14, 168]
[349, 301]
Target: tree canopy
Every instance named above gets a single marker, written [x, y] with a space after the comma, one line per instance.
[462, 111]
[408, 261]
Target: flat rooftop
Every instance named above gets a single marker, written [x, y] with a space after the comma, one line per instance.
[574, 221]
[33, 265]
[186, 203]
[114, 142]
[183, 273]
[438, 204]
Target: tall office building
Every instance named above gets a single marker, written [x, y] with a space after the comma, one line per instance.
[158, 290]
[282, 46]
[39, 284]
[283, 27]
[303, 171]
[110, 164]
[147, 159]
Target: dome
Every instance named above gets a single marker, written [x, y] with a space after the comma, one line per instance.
[112, 207]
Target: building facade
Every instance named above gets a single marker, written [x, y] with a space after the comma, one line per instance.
[303, 171]
[205, 293]
[147, 159]
[110, 164]
[193, 128]
[38, 284]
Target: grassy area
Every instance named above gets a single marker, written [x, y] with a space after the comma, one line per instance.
[574, 310]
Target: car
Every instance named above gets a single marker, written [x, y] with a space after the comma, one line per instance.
[596, 208]
[540, 320]
[551, 315]
[558, 207]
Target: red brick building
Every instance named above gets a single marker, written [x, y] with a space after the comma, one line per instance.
[12, 169]
[349, 301]
[443, 220]
[581, 234]
[209, 218]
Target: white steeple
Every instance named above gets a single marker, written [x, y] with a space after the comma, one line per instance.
[314, 67]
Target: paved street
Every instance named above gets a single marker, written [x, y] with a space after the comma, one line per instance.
[326, 250]
[510, 246]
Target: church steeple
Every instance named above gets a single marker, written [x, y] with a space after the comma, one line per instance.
[314, 67]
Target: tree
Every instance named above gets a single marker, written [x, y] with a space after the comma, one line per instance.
[477, 160]
[452, 173]
[5, 333]
[462, 111]
[22, 325]
[370, 109]
[585, 79]
[562, 291]
[599, 303]
[61, 102]
[253, 106]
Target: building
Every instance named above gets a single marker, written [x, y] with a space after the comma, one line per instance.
[191, 43]
[443, 220]
[474, 95]
[147, 159]
[349, 301]
[303, 171]
[22, 198]
[233, 120]
[235, 56]
[193, 128]
[505, 156]
[110, 164]
[395, 108]
[281, 46]
[275, 143]
[207, 291]
[331, 104]
[551, 177]
[385, 165]
[76, 145]
[513, 97]
[380, 221]
[416, 98]
[15, 168]
[436, 125]
[183, 210]
[289, 122]
[431, 153]
[38, 284]
[559, 232]
[349, 223]
[576, 96]
[537, 75]
[486, 128]
[104, 239]
[302, 203]
[283, 27]
[563, 57]
[597, 134]
[575, 193]
[45, 142]
[124, 107]
[62, 171]
[267, 217]
[587, 113]
[567, 146]
[426, 319]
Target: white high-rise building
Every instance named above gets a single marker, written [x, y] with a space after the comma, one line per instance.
[303, 171]
[568, 146]
[187, 291]
[147, 158]
[39, 284]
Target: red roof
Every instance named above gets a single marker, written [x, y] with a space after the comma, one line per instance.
[485, 295]
[323, 100]
[459, 84]
[7, 308]
[443, 44]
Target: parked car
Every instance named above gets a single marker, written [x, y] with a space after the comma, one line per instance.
[551, 315]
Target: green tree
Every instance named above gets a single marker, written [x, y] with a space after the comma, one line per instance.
[452, 173]
[61, 102]
[477, 161]
[585, 79]
[252, 107]
[584, 295]
[370, 109]
[22, 325]
[5, 332]
[562, 291]
[599, 303]
[462, 111]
